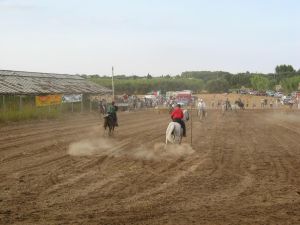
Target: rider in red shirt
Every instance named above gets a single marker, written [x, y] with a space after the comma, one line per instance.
[177, 116]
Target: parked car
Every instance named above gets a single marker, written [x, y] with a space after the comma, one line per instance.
[252, 92]
[261, 93]
[243, 92]
[287, 100]
[270, 93]
[278, 94]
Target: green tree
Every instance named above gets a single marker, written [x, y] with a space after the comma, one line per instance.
[217, 86]
[284, 69]
[260, 83]
[290, 84]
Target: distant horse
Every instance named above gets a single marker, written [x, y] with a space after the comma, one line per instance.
[202, 113]
[240, 104]
[109, 123]
[226, 106]
[235, 107]
[174, 130]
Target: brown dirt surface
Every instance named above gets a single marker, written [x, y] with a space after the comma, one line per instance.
[242, 168]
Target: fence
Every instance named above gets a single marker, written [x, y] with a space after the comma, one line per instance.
[22, 107]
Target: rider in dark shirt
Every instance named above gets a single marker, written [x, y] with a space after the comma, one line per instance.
[112, 110]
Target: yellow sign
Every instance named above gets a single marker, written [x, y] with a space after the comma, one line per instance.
[45, 100]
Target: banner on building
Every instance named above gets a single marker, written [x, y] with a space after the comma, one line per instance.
[71, 98]
[45, 100]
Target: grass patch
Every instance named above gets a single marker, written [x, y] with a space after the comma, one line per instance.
[29, 114]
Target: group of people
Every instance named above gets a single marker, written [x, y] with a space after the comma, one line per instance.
[177, 114]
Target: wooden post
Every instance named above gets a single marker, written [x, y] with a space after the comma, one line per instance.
[20, 105]
[81, 103]
[191, 125]
[112, 83]
[4, 107]
[90, 105]
[72, 107]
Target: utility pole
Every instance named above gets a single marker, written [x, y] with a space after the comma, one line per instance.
[191, 125]
[112, 83]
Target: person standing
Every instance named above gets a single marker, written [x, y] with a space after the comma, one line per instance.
[201, 108]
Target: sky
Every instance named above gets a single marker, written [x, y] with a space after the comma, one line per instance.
[158, 37]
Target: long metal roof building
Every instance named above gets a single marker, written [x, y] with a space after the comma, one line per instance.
[34, 83]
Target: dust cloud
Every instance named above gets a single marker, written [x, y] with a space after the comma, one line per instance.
[160, 151]
[107, 147]
[283, 116]
[90, 147]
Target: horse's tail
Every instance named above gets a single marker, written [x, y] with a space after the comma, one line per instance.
[169, 132]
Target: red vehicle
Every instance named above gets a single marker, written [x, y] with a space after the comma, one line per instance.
[183, 97]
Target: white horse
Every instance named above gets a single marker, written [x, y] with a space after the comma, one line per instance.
[174, 131]
[202, 113]
[235, 107]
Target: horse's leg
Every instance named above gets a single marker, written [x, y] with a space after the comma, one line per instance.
[105, 124]
[180, 135]
[110, 127]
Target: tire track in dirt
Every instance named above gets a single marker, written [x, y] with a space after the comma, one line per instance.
[139, 198]
[18, 128]
[32, 138]
[228, 157]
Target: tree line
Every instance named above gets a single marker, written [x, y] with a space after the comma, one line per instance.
[199, 81]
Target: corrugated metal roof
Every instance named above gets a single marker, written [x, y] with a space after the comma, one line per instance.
[38, 74]
[20, 82]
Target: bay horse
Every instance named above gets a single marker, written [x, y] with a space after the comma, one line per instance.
[240, 104]
[109, 123]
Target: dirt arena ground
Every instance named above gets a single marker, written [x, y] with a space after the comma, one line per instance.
[242, 168]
